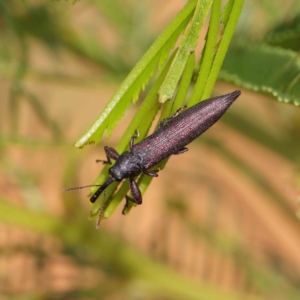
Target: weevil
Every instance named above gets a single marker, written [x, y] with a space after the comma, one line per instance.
[172, 136]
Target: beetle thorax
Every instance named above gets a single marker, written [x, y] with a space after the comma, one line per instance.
[126, 166]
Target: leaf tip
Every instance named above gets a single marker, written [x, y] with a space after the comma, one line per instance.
[163, 98]
[80, 144]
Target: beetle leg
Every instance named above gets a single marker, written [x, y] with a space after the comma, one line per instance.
[136, 195]
[181, 151]
[136, 135]
[152, 173]
[177, 112]
[111, 153]
[135, 191]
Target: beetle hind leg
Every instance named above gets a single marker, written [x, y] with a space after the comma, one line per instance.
[136, 195]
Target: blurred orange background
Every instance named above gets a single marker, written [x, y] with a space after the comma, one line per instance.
[220, 222]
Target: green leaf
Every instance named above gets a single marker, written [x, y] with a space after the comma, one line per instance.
[138, 78]
[262, 68]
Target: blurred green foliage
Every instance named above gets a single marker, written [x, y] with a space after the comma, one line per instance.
[122, 271]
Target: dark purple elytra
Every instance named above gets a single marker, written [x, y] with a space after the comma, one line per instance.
[171, 137]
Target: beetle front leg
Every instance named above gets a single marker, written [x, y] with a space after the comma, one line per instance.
[111, 153]
[135, 136]
[136, 195]
[152, 173]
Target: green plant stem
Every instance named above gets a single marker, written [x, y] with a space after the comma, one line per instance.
[209, 53]
[187, 46]
[185, 83]
[223, 47]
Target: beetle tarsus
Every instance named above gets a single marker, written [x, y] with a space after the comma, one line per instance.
[127, 200]
[165, 120]
[135, 136]
[105, 162]
[152, 173]
[183, 150]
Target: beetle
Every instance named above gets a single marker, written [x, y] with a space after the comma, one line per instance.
[171, 137]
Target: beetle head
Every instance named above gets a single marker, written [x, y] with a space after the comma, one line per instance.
[126, 166]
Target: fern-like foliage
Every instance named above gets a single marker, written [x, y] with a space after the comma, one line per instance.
[175, 76]
[286, 35]
[264, 68]
[138, 78]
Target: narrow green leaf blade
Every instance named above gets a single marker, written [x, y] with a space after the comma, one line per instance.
[223, 45]
[208, 55]
[187, 45]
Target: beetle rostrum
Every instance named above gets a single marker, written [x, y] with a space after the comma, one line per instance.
[171, 137]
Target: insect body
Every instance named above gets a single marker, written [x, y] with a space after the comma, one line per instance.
[171, 137]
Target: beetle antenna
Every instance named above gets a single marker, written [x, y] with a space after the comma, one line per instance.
[101, 211]
[102, 204]
[79, 187]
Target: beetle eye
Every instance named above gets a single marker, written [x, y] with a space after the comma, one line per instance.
[115, 174]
